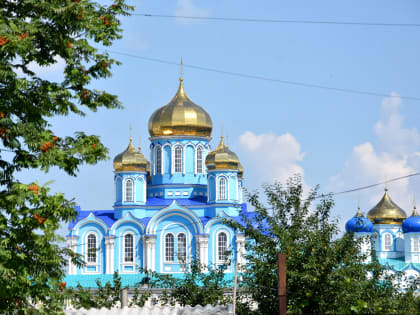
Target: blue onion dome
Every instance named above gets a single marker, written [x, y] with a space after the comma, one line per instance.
[359, 223]
[412, 224]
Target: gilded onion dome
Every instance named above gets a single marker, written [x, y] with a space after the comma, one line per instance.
[180, 117]
[130, 160]
[386, 212]
[222, 158]
[240, 170]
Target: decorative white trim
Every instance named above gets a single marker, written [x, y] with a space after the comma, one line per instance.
[163, 242]
[124, 182]
[164, 247]
[164, 160]
[199, 146]
[109, 254]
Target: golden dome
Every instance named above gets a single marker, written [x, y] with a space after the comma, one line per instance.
[240, 170]
[386, 212]
[222, 158]
[130, 160]
[180, 117]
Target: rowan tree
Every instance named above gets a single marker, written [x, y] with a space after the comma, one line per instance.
[41, 32]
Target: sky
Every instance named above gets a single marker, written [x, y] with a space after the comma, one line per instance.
[335, 139]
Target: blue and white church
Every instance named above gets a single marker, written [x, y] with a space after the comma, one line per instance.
[394, 236]
[168, 210]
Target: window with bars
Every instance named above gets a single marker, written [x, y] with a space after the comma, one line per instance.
[182, 247]
[129, 190]
[222, 188]
[158, 160]
[169, 247]
[91, 248]
[222, 246]
[387, 242]
[199, 160]
[128, 248]
[416, 245]
[178, 159]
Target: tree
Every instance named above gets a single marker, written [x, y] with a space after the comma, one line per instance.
[199, 285]
[42, 32]
[326, 272]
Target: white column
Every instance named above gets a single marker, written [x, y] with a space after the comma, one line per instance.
[202, 249]
[149, 252]
[72, 244]
[109, 254]
[240, 249]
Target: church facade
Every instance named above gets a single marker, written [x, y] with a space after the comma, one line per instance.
[168, 210]
[395, 238]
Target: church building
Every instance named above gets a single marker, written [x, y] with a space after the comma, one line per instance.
[395, 238]
[168, 210]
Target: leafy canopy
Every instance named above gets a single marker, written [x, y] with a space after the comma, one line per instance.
[41, 32]
[326, 271]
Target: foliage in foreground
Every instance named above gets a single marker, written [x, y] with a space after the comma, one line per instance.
[40, 33]
[107, 296]
[194, 287]
[325, 271]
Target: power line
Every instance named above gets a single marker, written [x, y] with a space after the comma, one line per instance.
[368, 186]
[263, 78]
[283, 21]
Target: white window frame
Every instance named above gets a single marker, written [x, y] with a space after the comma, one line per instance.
[388, 237]
[222, 195]
[133, 248]
[165, 248]
[128, 180]
[218, 260]
[416, 245]
[88, 262]
[197, 164]
[185, 247]
[158, 160]
[181, 159]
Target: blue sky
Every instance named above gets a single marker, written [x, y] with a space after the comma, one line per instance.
[337, 140]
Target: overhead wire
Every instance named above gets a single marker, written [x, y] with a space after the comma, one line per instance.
[283, 21]
[263, 78]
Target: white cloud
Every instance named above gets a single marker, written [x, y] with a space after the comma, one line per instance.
[56, 68]
[269, 157]
[394, 153]
[187, 8]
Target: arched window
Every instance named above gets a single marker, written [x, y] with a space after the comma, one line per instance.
[129, 190]
[416, 245]
[199, 160]
[91, 248]
[222, 246]
[128, 248]
[178, 159]
[169, 247]
[387, 242]
[182, 247]
[222, 188]
[159, 160]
